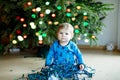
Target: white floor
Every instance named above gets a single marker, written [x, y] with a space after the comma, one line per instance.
[107, 65]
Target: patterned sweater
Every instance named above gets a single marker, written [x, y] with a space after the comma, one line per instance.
[64, 55]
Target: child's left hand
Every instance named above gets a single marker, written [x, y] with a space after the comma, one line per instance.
[81, 66]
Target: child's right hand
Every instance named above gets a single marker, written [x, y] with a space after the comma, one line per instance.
[81, 66]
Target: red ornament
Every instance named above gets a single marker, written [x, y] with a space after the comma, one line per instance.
[18, 32]
[17, 17]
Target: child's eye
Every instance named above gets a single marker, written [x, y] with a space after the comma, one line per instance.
[66, 33]
[61, 33]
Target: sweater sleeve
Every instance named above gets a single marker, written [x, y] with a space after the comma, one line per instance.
[79, 55]
[50, 56]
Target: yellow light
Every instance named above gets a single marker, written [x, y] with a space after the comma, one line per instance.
[86, 40]
[78, 7]
[93, 37]
[25, 36]
[76, 26]
[56, 23]
[37, 34]
[68, 10]
[40, 42]
[41, 15]
[29, 3]
[75, 14]
[53, 15]
[22, 19]
[14, 42]
[50, 22]
[24, 25]
[73, 19]
[33, 10]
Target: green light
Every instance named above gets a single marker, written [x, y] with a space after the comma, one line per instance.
[77, 31]
[33, 16]
[68, 14]
[39, 32]
[85, 23]
[85, 34]
[59, 7]
[85, 13]
[44, 34]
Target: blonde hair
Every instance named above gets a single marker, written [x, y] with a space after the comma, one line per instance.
[66, 26]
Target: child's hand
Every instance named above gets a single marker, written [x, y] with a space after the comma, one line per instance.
[81, 67]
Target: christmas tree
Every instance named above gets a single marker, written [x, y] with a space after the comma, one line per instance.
[34, 22]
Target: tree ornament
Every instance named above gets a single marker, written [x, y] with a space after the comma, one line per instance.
[18, 32]
[18, 17]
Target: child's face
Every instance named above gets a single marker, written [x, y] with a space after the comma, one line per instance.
[64, 35]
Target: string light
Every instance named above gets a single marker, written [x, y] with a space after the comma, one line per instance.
[85, 13]
[77, 31]
[33, 10]
[86, 40]
[14, 42]
[68, 14]
[38, 9]
[73, 19]
[20, 38]
[47, 3]
[41, 15]
[40, 42]
[33, 16]
[50, 22]
[76, 26]
[93, 37]
[78, 7]
[56, 23]
[59, 7]
[24, 25]
[22, 19]
[53, 15]
[40, 22]
[29, 3]
[68, 10]
[47, 11]
[25, 36]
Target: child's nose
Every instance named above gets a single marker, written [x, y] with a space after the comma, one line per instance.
[63, 35]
